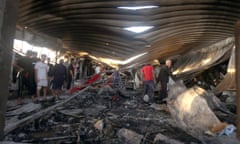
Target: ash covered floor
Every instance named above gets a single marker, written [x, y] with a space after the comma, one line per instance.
[96, 116]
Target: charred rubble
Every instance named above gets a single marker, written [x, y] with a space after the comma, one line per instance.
[210, 80]
[105, 113]
[93, 117]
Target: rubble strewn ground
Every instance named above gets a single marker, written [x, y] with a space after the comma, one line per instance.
[103, 115]
[92, 118]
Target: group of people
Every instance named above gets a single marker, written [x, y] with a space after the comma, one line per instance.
[150, 78]
[36, 74]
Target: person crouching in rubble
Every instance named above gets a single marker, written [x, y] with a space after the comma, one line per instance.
[163, 79]
[148, 79]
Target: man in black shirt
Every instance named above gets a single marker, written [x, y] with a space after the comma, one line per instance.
[26, 63]
[163, 78]
[59, 75]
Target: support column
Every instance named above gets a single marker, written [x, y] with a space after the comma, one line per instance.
[8, 18]
[237, 67]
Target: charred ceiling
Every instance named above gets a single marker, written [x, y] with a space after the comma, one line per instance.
[97, 26]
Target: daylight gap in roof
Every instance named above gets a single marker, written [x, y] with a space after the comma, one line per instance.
[138, 7]
[138, 29]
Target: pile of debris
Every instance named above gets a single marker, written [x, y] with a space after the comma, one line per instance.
[198, 111]
[103, 114]
[90, 117]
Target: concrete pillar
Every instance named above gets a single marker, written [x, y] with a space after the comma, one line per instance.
[237, 43]
[8, 18]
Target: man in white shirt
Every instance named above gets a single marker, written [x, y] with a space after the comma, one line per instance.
[97, 69]
[41, 78]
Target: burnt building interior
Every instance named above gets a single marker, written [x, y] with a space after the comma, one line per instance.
[200, 37]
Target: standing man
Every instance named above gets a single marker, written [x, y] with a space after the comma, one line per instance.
[59, 75]
[41, 77]
[50, 68]
[163, 79]
[70, 76]
[98, 69]
[116, 79]
[50, 75]
[17, 77]
[148, 79]
[27, 64]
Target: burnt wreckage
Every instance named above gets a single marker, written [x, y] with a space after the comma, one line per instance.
[199, 37]
[105, 113]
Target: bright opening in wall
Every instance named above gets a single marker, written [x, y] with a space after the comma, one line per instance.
[21, 47]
